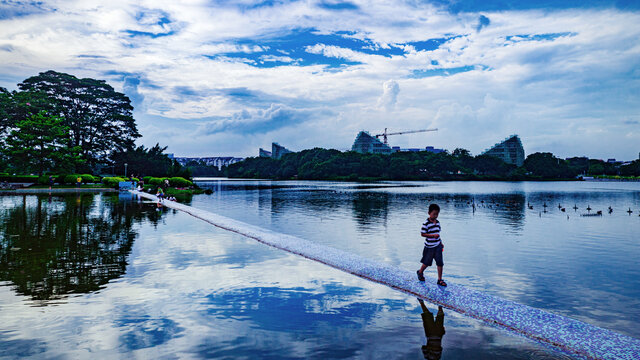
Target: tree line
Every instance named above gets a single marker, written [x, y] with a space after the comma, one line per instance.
[58, 123]
[324, 164]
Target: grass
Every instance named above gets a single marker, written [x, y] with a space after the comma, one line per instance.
[83, 186]
[174, 192]
[617, 177]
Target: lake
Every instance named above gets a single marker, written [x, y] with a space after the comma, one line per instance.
[112, 276]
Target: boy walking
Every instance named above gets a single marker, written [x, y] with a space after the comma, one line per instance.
[432, 244]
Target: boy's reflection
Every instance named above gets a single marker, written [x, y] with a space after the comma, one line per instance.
[434, 331]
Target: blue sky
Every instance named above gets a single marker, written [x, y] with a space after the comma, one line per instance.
[228, 77]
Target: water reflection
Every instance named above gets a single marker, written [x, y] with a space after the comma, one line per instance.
[433, 330]
[370, 208]
[54, 246]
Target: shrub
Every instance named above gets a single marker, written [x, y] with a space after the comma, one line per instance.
[87, 178]
[155, 181]
[43, 180]
[112, 181]
[59, 179]
[72, 179]
[146, 179]
[180, 182]
[134, 179]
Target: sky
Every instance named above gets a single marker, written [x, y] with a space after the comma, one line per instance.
[224, 78]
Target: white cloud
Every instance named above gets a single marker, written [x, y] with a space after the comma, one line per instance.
[389, 97]
[542, 88]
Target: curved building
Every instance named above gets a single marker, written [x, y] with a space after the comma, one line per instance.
[365, 143]
[510, 151]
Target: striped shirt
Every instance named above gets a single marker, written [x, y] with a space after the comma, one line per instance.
[431, 228]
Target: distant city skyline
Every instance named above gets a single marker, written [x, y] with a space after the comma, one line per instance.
[227, 78]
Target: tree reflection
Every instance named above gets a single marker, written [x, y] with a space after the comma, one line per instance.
[53, 246]
[370, 207]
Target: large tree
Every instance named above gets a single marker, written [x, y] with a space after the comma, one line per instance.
[37, 144]
[147, 161]
[99, 118]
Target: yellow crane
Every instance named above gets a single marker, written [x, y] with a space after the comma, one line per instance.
[385, 133]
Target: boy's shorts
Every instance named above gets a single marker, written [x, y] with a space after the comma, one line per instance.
[428, 254]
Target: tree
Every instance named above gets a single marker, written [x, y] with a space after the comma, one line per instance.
[151, 162]
[37, 145]
[99, 119]
[632, 169]
[460, 152]
[548, 166]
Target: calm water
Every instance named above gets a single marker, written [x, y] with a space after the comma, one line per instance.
[109, 276]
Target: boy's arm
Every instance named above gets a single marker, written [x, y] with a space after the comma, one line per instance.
[431, 236]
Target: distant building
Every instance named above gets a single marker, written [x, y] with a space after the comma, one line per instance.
[365, 143]
[611, 161]
[277, 150]
[427, 149]
[264, 153]
[217, 161]
[434, 150]
[510, 151]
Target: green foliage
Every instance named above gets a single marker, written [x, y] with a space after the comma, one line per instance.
[322, 164]
[199, 169]
[112, 182]
[71, 179]
[547, 166]
[88, 178]
[134, 179]
[316, 164]
[99, 119]
[151, 161]
[37, 144]
[155, 181]
[43, 180]
[632, 169]
[20, 178]
[182, 192]
[579, 164]
[180, 182]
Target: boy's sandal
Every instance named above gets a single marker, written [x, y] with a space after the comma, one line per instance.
[442, 283]
[420, 276]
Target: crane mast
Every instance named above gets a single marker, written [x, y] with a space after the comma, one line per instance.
[385, 133]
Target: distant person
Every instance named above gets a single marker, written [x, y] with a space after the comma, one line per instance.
[78, 181]
[434, 331]
[50, 182]
[160, 193]
[166, 183]
[433, 246]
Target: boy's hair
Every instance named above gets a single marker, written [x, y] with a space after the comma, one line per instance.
[433, 207]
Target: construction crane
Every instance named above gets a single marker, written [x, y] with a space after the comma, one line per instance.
[385, 133]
